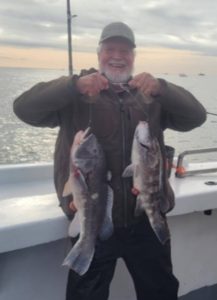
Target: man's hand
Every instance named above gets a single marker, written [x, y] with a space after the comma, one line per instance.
[92, 84]
[146, 83]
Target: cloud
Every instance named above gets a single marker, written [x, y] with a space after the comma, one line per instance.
[177, 24]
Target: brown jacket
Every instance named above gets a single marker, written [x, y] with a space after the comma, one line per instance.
[113, 118]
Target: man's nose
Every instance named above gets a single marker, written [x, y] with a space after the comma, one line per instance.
[117, 54]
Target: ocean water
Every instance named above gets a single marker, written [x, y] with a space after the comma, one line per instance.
[21, 143]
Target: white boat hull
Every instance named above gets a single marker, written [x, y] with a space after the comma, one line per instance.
[33, 234]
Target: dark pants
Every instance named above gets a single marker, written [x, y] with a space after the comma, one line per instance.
[148, 261]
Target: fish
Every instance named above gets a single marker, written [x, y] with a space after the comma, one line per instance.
[146, 171]
[93, 199]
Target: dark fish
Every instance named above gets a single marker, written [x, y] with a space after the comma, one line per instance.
[92, 198]
[146, 169]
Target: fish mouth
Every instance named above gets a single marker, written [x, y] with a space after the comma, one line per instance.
[86, 133]
[87, 138]
[81, 137]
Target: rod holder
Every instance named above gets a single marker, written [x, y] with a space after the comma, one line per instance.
[181, 172]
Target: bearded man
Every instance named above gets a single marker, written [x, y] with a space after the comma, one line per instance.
[111, 100]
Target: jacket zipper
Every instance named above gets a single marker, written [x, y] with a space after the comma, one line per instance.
[124, 186]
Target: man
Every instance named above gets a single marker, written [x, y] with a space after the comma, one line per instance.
[112, 102]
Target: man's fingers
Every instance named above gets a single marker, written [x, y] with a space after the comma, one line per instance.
[92, 84]
[139, 80]
[104, 83]
[146, 91]
[100, 83]
[146, 83]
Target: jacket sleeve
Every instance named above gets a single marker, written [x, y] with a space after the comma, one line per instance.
[40, 105]
[181, 110]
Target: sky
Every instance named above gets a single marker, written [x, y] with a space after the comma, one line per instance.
[172, 36]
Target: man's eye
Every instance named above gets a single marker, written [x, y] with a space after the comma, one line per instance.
[109, 50]
[124, 52]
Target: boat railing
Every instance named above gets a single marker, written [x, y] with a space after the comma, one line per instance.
[182, 172]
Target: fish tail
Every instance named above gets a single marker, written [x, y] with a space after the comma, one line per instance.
[159, 225]
[157, 221]
[79, 258]
[162, 232]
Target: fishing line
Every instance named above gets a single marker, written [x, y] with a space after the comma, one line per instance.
[209, 113]
[90, 113]
[125, 87]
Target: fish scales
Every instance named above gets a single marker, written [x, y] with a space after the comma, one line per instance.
[146, 170]
[92, 198]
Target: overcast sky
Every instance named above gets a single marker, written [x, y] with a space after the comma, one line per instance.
[188, 25]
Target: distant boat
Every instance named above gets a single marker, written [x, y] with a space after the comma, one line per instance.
[201, 74]
[182, 75]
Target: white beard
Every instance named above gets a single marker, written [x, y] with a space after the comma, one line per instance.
[116, 76]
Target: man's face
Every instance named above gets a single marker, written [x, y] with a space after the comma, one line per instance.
[116, 59]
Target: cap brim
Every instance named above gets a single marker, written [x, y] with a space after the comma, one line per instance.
[119, 37]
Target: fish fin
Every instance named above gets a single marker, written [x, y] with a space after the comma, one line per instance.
[160, 227]
[128, 171]
[141, 203]
[107, 225]
[74, 227]
[139, 206]
[80, 180]
[80, 257]
[67, 188]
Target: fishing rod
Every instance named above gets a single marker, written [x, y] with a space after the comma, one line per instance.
[69, 27]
